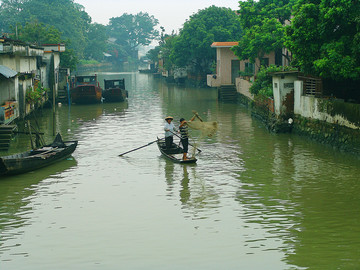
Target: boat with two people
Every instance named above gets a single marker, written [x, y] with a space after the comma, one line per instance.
[174, 153]
[114, 91]
[86, 90]
[35, 159]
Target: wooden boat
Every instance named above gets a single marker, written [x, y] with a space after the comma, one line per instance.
[175, 153]
[86, 90]
[35, 159]
[114, 91]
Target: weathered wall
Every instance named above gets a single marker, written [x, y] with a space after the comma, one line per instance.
[340, 137]
[23, 85]
[328, 121]
[328, 110]
[243, 87]
[6, 90]
[331, 122]
[282, 89]
[21, 64]
[9, 89]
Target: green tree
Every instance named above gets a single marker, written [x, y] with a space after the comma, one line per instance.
[131, 31]
[263, 83]
[9, 13]
[68, 59]
[39, 33]
[153, 54]
[66, 16]
[95, 45]
[324, 38]
[192, 46]
[264, 27]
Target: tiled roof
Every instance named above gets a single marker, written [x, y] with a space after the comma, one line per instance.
[224, 44]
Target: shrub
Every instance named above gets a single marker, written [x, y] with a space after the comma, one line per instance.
[263, 82]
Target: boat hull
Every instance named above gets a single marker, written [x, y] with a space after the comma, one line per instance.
[35, 159]
[86, 94]
[174, 153]
[114, 95]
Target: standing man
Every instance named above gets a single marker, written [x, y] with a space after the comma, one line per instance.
[169, 130]
[185, 136]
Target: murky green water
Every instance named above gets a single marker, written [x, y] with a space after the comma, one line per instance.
[254, 200]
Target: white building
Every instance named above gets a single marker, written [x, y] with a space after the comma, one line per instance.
[23, 59]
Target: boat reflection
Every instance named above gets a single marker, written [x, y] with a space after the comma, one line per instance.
[198, 198]
[185, 191]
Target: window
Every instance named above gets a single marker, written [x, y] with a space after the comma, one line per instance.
[249, 68]
[264, 62]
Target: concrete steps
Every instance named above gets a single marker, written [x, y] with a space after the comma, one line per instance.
[227, 93]
[62, 95]
[6, 133]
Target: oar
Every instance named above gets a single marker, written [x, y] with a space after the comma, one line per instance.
[189, 143]
[197, 115]
[139, 147]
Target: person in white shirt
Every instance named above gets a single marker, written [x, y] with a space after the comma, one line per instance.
[169, 130]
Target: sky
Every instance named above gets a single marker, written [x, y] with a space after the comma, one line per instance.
[171, 13]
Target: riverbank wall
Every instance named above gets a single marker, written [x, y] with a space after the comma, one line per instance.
[331, 122]
[340, 137]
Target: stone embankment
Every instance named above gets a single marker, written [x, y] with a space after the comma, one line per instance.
[338, 136]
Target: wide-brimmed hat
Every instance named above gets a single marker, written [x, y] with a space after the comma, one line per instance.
[169, 117]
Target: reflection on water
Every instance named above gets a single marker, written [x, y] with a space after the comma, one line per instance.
[17, 192]
[254, 200]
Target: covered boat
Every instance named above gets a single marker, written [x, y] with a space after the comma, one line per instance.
[114, 90]
[86, 89]
[175, 153]
[38, 158]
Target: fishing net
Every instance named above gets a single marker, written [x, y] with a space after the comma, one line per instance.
[207, 129]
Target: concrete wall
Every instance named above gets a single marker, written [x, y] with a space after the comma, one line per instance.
[47, 60]
[243, 86]
[21, 64]
[322, 109]
[22, 86]
[282, 87]
[225, 56]
[9, 89]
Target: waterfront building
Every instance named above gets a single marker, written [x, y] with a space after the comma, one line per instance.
[24, 59]
[23, 68]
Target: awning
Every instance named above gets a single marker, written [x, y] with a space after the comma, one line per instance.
[7, 72]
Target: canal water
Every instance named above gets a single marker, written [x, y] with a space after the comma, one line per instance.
[254, 200]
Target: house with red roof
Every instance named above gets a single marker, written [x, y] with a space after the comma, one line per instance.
[233, 74]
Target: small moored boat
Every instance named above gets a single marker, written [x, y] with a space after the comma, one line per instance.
[114, 91]
[86, 90]
[175, 153]
[38, 158]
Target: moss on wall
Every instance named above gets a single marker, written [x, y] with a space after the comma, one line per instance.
[348, 111]
[340, 137]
